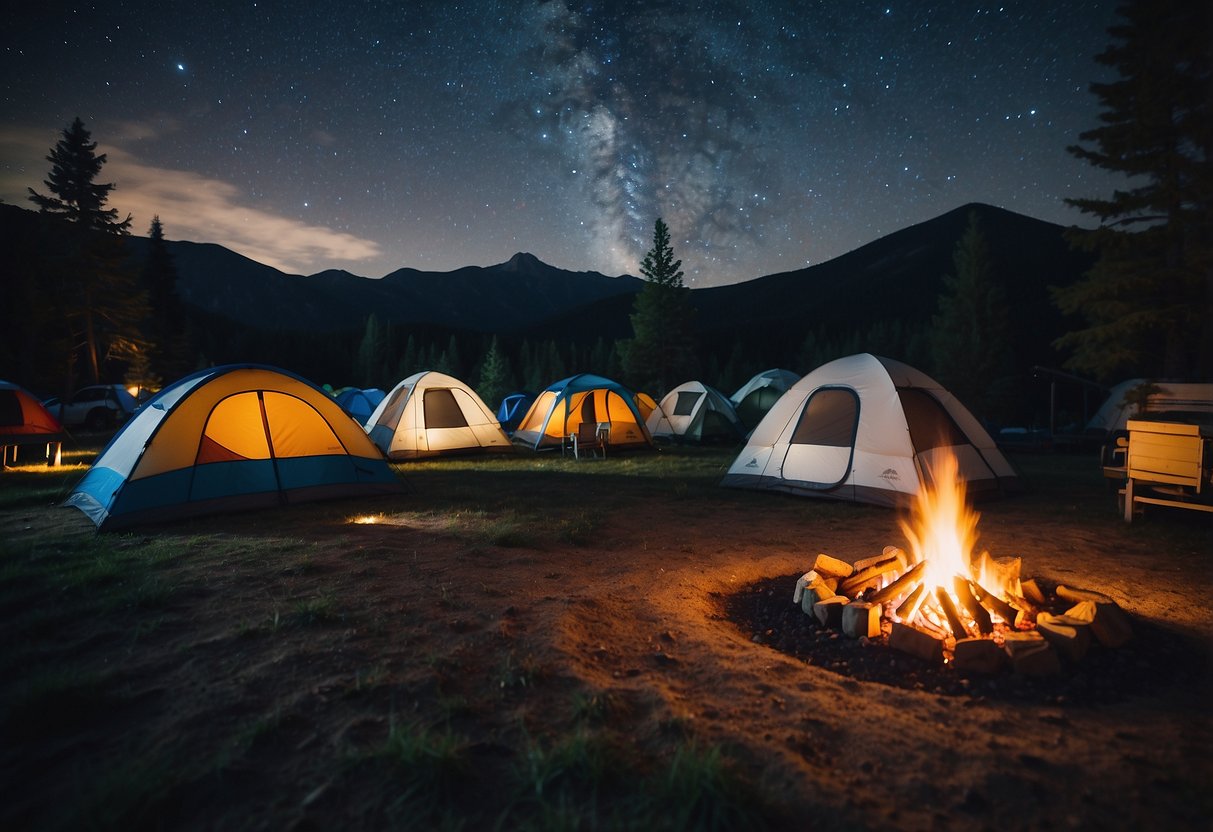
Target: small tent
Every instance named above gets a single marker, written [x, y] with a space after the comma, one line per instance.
[24, 421]
[1182, 400]
[560, 409]
[695, 412]
[758, 395]
[512, 408]
[230, 438]
[358, 403]
[432, 414]
[870, 430]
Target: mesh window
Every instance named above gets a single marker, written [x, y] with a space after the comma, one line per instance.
[830, 418]
[685, 405]
[442, 411]
[930, 424]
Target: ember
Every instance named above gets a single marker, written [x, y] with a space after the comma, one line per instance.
[941, 603]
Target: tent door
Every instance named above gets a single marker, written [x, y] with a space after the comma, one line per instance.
[822, 446]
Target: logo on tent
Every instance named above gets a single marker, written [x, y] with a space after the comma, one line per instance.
[890, 474]
[753, 463]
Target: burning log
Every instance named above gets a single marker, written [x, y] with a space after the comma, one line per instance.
[902, 584]
[830, 567]
[995, 604]
[829, 610]
[909, 606]
[978, 655]
[868, 576]
[889, 553]
[861, 620]
[1031, 592]
[975, 610]
[916, 642]
[949, 610]
[1070, 636]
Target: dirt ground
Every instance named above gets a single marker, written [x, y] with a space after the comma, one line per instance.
[510, 606]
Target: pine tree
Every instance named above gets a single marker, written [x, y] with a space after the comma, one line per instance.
[102, 304]
[970, 333]
[167, 330]
[660, 354]
[370, 353]
[1148, 301]
[495, 377]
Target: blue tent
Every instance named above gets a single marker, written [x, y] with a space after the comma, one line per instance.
[360, 404]
[513, 407]
[230, 438]
[561, 409]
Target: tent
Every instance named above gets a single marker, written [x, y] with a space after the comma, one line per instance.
[359, 404]
[24, 421]
[1181, 400]
[513, 407]
[695, 412]
[561, 408]
[432, 414]
[228, 438]
[758, 395]
[870, 430]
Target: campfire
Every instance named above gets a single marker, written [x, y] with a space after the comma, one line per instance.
[942, 601]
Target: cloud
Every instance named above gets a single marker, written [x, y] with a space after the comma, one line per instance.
[191, 206]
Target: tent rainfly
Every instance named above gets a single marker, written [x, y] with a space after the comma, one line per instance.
[561, 408]
[512, 408]
[869, 430]
[695, 412]
[24, 421]
[432, 414]
[359, 404]
[758, 395]
[230, 438]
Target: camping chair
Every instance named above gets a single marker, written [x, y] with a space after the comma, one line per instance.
[590, 438]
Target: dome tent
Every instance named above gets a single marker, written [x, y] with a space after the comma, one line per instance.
[695, 412]
[25, 421]
[432, 414]
[562, 407]
[758, 395]
[870, 430]
[512, 408]
[359, 403]
[230, 438]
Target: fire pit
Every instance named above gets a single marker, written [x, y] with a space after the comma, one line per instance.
[938, 614]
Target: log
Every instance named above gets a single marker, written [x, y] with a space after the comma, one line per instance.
[1109, 623]
[1071, 594]
[889, 553]
[915, 642]
[1031, 655]
[1031, 591]
[816, 591]
[861, 619]
[909, 606]
[949, 610]
[975, 610]
[994, 604]
[978, 655]
[1069, 636]
[829, 610]
[902, 584]
[830, 567]
[869, 576]
[801, 582]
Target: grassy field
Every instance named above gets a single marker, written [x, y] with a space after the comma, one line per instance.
[361, 666]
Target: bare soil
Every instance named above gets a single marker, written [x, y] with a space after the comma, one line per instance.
[512, 607]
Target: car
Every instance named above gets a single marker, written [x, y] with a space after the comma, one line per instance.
[96, 407]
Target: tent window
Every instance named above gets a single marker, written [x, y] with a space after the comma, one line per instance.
[442, 411]
[234, 431]
[687, 400]
[830, 418]
[930, 424]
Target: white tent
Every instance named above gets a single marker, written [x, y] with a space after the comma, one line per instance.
[758, 395]
[432, 414]
[1167, 396]
[695, 412]
[867, 429]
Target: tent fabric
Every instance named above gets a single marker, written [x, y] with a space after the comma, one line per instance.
[512, 408]
[432, 414]
[230, 438]
[867, 429]
[758, 395]
[1170, 396]
[695, 412]
[560, 409]
[359, 403]
[23, 418]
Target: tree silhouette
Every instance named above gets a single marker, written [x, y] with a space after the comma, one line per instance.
[1147, 299]
[660, 354]
[167, 329]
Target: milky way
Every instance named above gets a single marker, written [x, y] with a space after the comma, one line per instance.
[435, 135]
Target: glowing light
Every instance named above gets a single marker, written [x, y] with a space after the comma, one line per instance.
[367, 519]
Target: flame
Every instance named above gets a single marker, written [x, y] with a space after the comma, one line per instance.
[942, 530]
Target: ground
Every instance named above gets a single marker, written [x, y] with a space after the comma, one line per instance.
[544, 643]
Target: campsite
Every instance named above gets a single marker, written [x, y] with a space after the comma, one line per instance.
[531, 641]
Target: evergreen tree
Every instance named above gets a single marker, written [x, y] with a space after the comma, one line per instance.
[102, 306]
[167, 330]
[495, 377]
[1148, 299]
[970, 333]
[660, 354]
[370, 355]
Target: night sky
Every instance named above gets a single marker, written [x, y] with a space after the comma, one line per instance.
[434, 135]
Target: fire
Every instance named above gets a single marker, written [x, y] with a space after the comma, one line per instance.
[943, 530]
